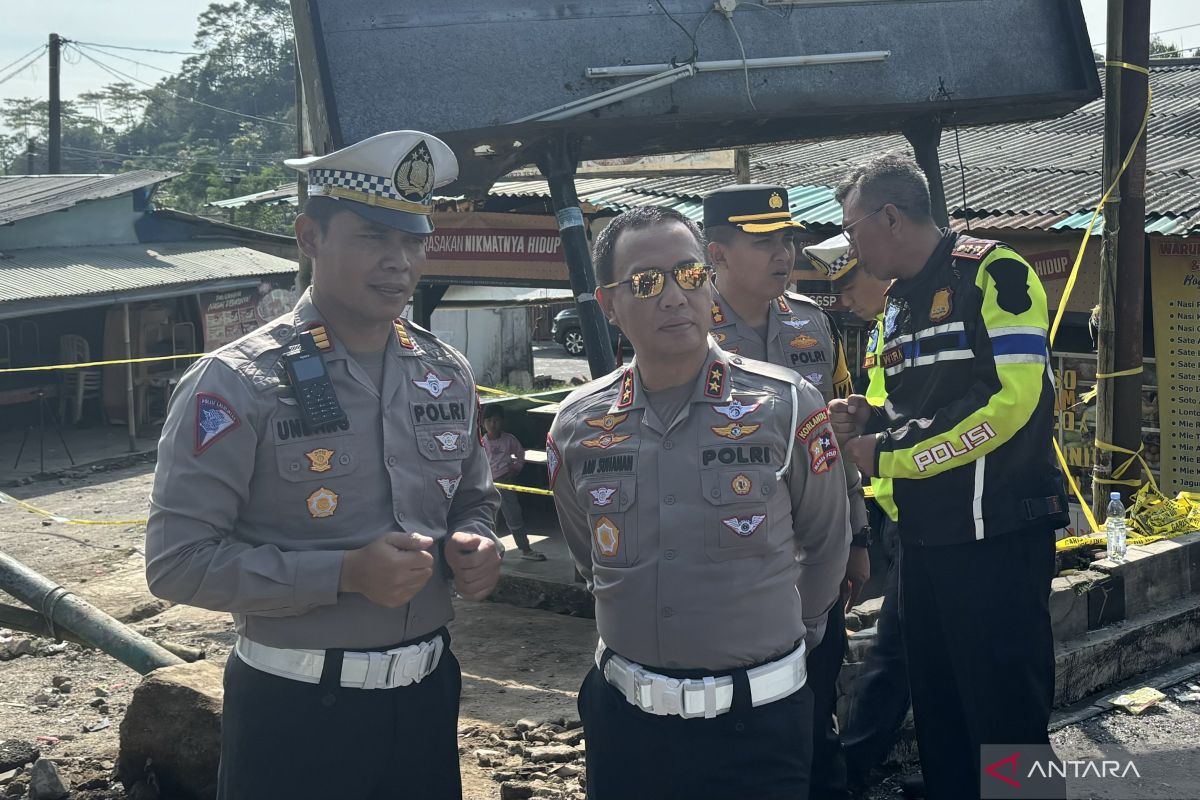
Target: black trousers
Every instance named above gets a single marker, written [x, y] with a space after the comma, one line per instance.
[282, 738]
[828, 777]
[980, 651]
[881, 696]
[747, 753]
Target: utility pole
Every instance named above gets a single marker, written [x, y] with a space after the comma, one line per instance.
[30, 144]
[55, 158]
[1122, 265]
[304, 274]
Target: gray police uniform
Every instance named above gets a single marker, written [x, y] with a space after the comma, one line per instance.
[802, 337]
[693, 535]
[252, 510]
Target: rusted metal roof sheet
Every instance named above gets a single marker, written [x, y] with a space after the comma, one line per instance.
[24, 196]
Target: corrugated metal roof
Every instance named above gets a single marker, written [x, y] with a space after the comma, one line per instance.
[24, 196]
[1043, 175]
[60, 272]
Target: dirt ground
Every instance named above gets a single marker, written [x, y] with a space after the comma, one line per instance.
[517, 663]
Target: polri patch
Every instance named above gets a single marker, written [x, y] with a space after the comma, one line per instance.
[795, 323]
[448, 441]
[942, 305]
[605, 440]
[433, 384]
[553, 460]
[741, 484]
[449, 485]
[602, 495]
[734, 430]
[803, 342]
[809, 425]
[215, 417]
[607, 537]
[735, 409]
[608, 421]
[822, 452]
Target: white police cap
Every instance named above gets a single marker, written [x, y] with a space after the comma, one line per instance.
[388, 178]
[831, 257]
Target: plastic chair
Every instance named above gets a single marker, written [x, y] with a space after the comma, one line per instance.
[77, 384]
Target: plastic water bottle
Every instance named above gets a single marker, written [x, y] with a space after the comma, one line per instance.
[1114, 527]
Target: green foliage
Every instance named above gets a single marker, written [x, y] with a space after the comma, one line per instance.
[246, 65]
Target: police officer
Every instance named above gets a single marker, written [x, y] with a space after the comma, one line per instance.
[752, 245]
[322, 479]
[881, 697]
[697, 490]
[965, 437]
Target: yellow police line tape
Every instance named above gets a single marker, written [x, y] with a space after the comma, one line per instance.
[1058, 316]
[41, 512]
[512, 487]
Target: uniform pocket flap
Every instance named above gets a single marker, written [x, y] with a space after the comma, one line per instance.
[443, 443]
[313, 461]
[728, 486]
[613, 495]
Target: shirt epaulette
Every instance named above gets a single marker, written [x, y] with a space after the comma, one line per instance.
[763, 368]
[802, 298]
[972, 248]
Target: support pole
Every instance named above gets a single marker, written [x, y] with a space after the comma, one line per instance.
[1122, 273]
[1106, 329]
[925, 135]
[130, 411]
[89, 623]
[304, 275]
[558, 164]
[54, 165]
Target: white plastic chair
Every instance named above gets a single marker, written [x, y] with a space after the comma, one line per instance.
[78, 384]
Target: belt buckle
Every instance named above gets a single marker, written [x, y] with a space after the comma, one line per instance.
[398, 672]
[669, 693]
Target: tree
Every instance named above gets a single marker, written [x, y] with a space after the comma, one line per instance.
[1161, 48]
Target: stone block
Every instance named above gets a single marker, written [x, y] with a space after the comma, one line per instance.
[1069, 603]
[868, 611]
[1154, 574]
[174, 720]
[1106, 601]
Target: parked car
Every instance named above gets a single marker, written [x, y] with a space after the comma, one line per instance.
[567, 332]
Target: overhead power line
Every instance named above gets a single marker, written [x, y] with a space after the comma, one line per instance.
[1164, 30]
[142, 49]
[36, 55]
[39, 50]
[111, 70]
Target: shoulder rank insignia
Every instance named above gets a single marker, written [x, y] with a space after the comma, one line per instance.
[603, 495]
[803, 342]
[402, 336]
[734, 430]
[782, 304]
[795, 323]
[449, 485]
[605, 440]
[322, 503]
[553, 461]
[214, 418]
[972, 248]
[720, 338]
[942, 304]
[433, 384]
[735, 410]
[744, 526]
[608, 421]
[714, 385]
[718, 316]
[318, 460]
[321, 338]
[626, 398]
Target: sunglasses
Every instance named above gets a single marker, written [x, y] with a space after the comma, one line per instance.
[647, 283]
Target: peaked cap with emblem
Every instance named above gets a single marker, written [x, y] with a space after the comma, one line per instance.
[388, 178]
[831, 257]
[753, 207]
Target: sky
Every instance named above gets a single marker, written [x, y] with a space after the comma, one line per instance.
[170, 25]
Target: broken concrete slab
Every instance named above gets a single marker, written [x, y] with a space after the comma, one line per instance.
[1069, 603]
[1154, 573]
[16, 753]
[174, 721]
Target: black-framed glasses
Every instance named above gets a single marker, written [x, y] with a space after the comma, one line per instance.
[649, 282]
[846, 228]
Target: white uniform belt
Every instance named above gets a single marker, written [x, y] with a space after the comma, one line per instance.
[701, 697]
[368, 670]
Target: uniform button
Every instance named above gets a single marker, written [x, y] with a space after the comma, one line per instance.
[294, 466]
[429, 446]
[400, 517]
[668, 612]
[391, 461]
[765, 490]
[715, 492]
[668, 444]
[344, 459]
[669, 555]
[669, 499]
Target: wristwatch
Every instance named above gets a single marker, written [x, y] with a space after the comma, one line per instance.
[862, 538]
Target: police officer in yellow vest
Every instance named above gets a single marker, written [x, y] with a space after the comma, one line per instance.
[322, 479]
[704, 501]
[752, 246]
[881, 697]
